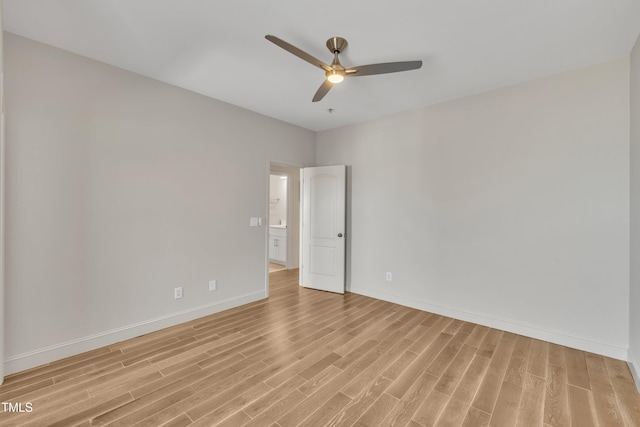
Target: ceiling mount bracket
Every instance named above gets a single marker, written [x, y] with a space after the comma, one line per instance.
[336, 44]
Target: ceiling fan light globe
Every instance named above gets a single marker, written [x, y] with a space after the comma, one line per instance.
[335, 77]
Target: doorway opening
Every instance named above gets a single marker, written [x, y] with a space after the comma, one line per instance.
[283, 231]
[278, 215]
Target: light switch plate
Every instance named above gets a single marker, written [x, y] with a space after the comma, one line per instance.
[253, 222]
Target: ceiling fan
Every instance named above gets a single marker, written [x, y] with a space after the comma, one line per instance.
[336, 72]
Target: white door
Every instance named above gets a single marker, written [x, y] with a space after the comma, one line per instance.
[323, 228]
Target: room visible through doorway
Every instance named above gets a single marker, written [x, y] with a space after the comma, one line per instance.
[283, 251]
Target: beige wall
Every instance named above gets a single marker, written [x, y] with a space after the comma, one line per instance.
[634, 337]
[120, 188]
[508, 208]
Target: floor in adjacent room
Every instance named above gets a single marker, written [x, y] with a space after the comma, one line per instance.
[305, 357]
[274, 266]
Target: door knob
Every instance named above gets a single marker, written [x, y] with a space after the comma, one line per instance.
[339, 234]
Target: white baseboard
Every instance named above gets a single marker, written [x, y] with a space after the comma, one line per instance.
[52, 353]
[633, 366]
[533, 331]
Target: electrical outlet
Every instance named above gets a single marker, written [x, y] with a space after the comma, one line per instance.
[212, 285]
[177, 292]
[389, 277]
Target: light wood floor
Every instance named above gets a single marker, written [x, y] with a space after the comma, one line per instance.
[312, 358]
[273, 266]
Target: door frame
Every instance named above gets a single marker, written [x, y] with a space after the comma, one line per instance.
[286, 164]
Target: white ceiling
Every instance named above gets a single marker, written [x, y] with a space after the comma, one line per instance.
[217, 48]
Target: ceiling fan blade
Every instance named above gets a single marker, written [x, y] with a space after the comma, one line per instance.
[384, 68]
[297, 52]
[322, 90]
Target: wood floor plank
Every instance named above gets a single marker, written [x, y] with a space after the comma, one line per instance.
[352, 376]
[456, 408]
[78, 384]
[470, 381]
[325, 413]
[489, 343]
[429, 411]
[627, 401]
[146, 400]
[556, 355]
[358, 352]
[430, 335]
[409, 376]
[203, 391]
[476, 418]
[218, 410]
[359, 404]
[295, 368]
[78, 410]
[248, 384]
[176, 380]
[577, 373]
[402, 413]
[449, 379]
[144, 410]
[538, 358]
[238, 419]
[270, 398]
[582, 407]
[453, 413]
[453, 327]
[412, 324]
[376, 412]
[531, 411]
[50, 370]
[606, 405]
[320, 380]
[477, 336]
[467, 327]
[624, 389]
[303, 357]
[86, 413]
[374, 330]
[371, 372]
[505, 411]
[70, 392]
[276, 410]
[556, 401]
[180, 421]
[440, 363]
[490, 388]
[519, 361]
[401, 363]
[417, 332]
[597, 370]
[319, 366]
[16, 392]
